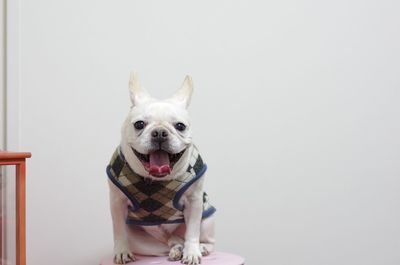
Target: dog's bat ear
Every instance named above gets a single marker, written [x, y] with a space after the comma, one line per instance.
[137, 92]
[184, 94]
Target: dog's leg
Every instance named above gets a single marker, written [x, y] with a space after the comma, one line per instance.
[118, 205]
[193, 211]
[207, 236]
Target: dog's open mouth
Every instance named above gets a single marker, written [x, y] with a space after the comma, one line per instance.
[158, 163]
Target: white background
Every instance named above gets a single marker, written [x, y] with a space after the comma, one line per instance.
[296, 111]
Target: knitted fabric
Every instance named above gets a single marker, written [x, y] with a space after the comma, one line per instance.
[156, 202]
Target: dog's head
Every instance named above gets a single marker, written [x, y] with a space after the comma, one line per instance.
[157, 132]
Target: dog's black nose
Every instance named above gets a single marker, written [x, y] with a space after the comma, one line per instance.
[159, 135]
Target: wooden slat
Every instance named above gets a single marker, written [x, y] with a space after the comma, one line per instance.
[18, 159]
[14, 155]
[20, 214]
[11, 162]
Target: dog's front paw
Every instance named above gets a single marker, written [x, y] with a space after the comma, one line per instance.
[123, 257]
[191, 254]
[122, 254]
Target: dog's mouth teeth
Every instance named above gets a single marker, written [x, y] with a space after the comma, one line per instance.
[175, 157]
[158, 163]
[142, 157]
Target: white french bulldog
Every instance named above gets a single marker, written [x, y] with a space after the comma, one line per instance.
[156, 177]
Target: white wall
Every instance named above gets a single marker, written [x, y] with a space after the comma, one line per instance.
[295, 110]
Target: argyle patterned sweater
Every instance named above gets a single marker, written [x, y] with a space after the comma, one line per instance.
[156, 202]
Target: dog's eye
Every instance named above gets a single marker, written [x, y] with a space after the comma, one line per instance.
[139, 125]
[180, 126]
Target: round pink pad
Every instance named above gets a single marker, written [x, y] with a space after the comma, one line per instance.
[215, 258]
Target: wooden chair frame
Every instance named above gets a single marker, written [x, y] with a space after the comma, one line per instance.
[19, 160]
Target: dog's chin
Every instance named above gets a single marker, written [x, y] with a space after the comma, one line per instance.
[158, 163]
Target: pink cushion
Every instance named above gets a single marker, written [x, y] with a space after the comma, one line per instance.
[215, 258]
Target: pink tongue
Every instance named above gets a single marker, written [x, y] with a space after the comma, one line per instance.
[159, 164]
